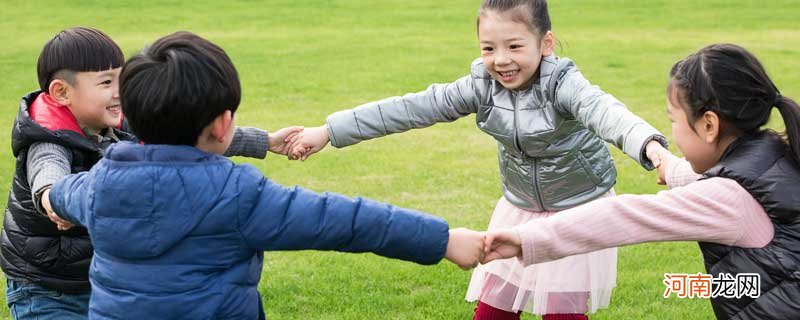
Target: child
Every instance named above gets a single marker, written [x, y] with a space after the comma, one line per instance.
[62, 129]
[188, 244]
[549, 122]
[744, 209]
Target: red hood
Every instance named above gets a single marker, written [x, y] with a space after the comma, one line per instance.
[54, 116]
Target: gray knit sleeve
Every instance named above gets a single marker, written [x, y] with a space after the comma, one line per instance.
[249, 142]
[46, 164]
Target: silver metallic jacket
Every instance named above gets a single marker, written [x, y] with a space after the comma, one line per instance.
[549, 135]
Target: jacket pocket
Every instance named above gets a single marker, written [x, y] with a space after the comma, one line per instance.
[517, 179]
[565, 176]
[587, 167]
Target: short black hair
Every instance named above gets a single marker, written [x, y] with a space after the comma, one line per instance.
[174, 88]
[77, 49]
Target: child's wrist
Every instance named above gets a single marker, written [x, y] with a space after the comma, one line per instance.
[327, 133]
[44, 199]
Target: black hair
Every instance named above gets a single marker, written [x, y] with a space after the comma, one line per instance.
[174, 88]
[730, 81]
[532, 13]
[77, 49]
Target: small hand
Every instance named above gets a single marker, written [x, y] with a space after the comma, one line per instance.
[501, 244]
[61, 224]
[654, 150]
[465, 248]
[278, 140]
[659, 156]
[308, 142]
[666, 160]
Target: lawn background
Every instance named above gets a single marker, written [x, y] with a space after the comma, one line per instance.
[302, 60]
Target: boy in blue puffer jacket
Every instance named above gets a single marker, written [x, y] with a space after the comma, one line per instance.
[179, 231]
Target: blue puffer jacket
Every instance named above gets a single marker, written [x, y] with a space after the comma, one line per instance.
[179, 233]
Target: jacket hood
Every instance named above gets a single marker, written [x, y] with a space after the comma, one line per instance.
[40, 118]
[142, 190]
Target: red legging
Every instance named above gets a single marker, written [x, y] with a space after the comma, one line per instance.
[486, 312]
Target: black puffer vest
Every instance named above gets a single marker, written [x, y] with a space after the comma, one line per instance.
[762, 164]
[32, 248]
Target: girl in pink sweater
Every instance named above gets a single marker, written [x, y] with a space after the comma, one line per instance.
[737, 192]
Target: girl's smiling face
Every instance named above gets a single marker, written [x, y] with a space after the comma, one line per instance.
[510, 51]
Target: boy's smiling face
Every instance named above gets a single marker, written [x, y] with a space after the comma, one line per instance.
[94, 99]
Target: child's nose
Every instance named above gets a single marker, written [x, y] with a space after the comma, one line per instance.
[502, 59]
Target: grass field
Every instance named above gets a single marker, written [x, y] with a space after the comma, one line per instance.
[301, 60]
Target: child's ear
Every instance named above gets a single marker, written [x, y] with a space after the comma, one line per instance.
[60, 91]
[710, 126]
[221, 124]
[548, 43]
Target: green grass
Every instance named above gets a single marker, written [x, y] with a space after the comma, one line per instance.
[301, 60]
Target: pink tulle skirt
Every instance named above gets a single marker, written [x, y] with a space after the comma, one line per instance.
[576, 284]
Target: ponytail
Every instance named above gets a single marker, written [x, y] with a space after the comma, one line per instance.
[790, 112]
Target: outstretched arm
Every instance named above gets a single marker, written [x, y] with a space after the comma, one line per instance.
[439, 103]
[715, 210]
[281, 218]
[607, 117]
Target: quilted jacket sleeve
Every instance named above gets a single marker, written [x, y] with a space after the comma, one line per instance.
[604, 115]
[274, 217]
[439, 103]
[70, 198]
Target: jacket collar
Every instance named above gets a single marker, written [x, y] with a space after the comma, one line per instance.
[546, 68]
[132, 152]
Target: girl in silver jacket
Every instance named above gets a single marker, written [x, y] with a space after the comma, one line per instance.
[549, 123]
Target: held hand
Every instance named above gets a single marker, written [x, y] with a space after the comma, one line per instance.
[666, 160]
[308, 142]
[659, 156]
[465, 248]
[654, 151]
[501, 244]
[61, 224]
[278, 140]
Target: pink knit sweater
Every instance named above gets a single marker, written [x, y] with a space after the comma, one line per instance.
[716, 210]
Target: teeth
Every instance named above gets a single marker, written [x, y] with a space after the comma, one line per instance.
[509, 73]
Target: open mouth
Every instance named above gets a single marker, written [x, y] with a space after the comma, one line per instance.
[115, 108]
[511, 73]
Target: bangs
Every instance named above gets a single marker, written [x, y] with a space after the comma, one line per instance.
[674, 93]
[79, 50]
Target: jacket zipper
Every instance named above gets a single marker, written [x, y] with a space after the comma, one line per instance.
[536, 183]
[518, 145]
[516, 124]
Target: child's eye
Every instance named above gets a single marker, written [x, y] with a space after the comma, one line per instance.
[107, 82]
[487, 49]
[515, 46]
